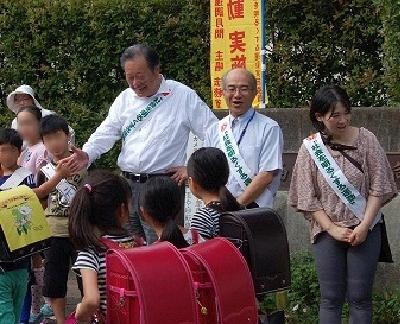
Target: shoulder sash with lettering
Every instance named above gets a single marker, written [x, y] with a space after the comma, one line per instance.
[237, 165]
[16, 178]
[336, 179]
[141, 115]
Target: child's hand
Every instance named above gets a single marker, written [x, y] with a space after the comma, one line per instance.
[78, 311]
[63, 170]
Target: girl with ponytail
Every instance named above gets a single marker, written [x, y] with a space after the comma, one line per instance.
[98, 211]
[208, 173]
[160, 203]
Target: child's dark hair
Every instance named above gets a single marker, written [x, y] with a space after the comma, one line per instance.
[209, 168]
[94, 206]
[35, 111]
[10, 136]
[161, 200]
[325, 100]
[52, 124]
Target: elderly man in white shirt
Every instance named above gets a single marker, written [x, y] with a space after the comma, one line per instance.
[252, 142]
[153, 118]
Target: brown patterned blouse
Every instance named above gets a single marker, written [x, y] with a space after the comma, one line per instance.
[309, 191]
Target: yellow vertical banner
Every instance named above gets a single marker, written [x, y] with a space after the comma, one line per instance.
[235, 42]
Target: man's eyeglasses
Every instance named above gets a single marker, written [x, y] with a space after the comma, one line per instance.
[242, 89]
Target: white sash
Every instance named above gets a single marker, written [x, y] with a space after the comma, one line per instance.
[237, 165]
[336, 179]
[66, 189]
[141, 115]
[16, 178]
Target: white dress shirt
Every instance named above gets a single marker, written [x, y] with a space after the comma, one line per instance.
[261, 148]
[162, 140]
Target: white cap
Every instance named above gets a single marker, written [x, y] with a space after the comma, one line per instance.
[22, 89]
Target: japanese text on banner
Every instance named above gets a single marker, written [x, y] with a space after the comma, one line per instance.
[235, 42]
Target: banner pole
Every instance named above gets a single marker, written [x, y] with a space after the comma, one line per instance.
[263, 79]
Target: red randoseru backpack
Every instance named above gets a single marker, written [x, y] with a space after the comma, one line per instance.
[207, 283]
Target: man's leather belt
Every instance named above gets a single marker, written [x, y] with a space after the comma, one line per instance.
[143, 177]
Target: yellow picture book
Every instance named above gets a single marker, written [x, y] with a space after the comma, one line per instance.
[22, 218]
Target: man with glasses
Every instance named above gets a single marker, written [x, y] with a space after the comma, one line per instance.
[153, 117]
[252, 142]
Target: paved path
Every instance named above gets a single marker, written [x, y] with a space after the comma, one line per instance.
[73, 297]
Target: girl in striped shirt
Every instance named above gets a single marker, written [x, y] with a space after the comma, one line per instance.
[208, 173]
[99, 209]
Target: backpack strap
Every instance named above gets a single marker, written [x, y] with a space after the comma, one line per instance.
[195, 236]
[110, 244]
[16, 178]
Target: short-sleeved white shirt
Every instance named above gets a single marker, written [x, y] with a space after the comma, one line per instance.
[261, 147]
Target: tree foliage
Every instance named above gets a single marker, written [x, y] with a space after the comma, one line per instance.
[69, 50]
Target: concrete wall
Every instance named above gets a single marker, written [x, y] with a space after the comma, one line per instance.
[385, 124]
[295, 124]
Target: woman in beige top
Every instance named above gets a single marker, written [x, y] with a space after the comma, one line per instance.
[346, 247]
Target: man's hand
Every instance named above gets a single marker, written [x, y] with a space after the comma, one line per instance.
[63, 170]
[77, 161]
[260, 182]
[179, 174]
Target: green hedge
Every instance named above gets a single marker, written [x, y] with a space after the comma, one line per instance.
[390, 13]
[316, 42]
[68, 50]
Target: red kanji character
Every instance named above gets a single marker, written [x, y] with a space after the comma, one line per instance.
[219, 33]
[217, 82]
[218, 3]
[217, 92]
[238, 61]
[219, 12]
[219, 56]
[218, 22]
[235, 9]
[219, 66]
[237, 41]
[217, 103]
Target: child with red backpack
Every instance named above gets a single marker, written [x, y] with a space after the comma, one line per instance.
[98, 214]
[98, 211]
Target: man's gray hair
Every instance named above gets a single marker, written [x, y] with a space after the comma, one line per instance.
[151, 56]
